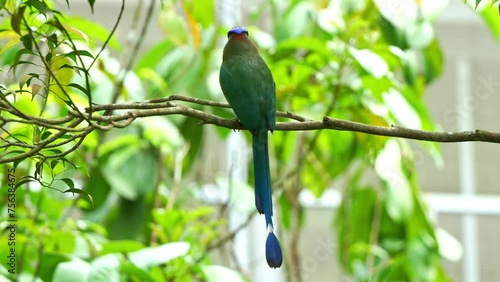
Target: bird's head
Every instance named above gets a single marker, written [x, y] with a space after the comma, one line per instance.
[238, 44]
[237, 31]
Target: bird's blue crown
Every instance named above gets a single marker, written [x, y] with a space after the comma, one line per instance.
[237, 30]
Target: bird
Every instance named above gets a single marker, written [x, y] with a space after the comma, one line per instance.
[248, 85]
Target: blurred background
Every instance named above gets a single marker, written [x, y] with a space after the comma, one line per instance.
[349, 206]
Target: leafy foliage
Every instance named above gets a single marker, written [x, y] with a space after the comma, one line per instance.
[85, 210]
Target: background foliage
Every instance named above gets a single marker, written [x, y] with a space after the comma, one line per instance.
[124, 204]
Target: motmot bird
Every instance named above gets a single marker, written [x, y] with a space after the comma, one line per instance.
[248, 85]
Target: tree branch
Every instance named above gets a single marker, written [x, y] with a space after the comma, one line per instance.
[128, 112]
[164, 106]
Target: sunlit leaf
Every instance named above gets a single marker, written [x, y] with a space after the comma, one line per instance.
[60, 241]
[449, 247]
[398, 194]
[420, 34]
[217, 273]
[76, 270]
[154, 256]
[105, 268]
[120, 246]
[400, 13]
[403, 112]
[93, 30]
[370, 61]
[12, 42]
[492, 19]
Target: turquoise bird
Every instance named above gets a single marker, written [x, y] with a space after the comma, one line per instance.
[248, 85]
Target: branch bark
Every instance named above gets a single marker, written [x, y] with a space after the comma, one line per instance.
[164, 106]
[81, 124]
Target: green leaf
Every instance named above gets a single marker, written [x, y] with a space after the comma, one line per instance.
[75, 270]
[202, 11]
[161, 133]
[353, 223]
[370, 62]
[120, 246]
[118, 143]
[97, 186]
[24, 180]
[40, 6]
[449, 247]
[173, 24]
[420, 34]
[93, 30]
[217, 273]
[17, 18]
[427, 123]
[81, 88]
[78, 53]
[398, 192]
[79, 191]
[49, 262]
[69, 182]
[433, 60]
[151, 58]
[404, 114]
[61, 241]
[131, 171]
[192, 133]
[131, 271]
[91, 3]
[285, 211]
[154, 256]
[492, 19]
[315, 45]
[105, 268]
[27, 41]
[296, 21]
[392, 34]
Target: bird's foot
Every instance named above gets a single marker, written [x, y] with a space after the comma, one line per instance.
[240, 125]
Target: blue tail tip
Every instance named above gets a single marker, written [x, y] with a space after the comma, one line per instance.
[274, 256]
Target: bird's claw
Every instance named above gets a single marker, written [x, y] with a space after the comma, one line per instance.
[240, 125]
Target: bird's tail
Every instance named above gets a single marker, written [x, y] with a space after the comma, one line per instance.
[262, 176]
[263, 196]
